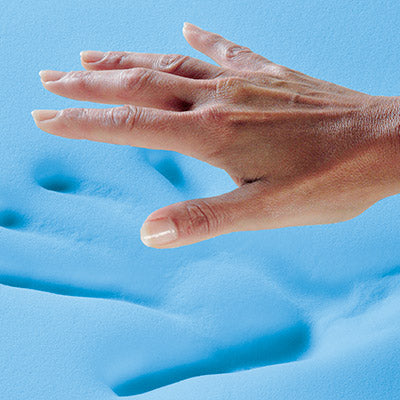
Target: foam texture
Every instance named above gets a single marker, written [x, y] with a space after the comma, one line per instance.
[88, 312]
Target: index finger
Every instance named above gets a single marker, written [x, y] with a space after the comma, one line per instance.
[127, 125]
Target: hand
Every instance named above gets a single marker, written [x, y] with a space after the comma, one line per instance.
[302, 151]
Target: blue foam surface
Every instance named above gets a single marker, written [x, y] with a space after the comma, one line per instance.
[88, 312]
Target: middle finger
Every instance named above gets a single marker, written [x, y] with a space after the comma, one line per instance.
[137, 86]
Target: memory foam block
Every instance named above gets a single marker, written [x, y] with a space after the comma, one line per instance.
[88, 312]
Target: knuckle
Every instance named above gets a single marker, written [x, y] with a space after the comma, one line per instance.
[226, 85]
[117, 58]
[76, 74]
[234, 51]
[118, 116]
[172, 63]
[201, 218]
[234, 89]
[126, 117]
[134, 80]
[73, 114]
[80, 79]
[217, 122]
[277, 71]
[214, 116]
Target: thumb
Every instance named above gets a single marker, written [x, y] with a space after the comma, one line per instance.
[192, 221]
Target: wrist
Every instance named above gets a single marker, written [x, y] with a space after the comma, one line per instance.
[382, 127]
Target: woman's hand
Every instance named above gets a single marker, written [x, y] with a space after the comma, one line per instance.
[302, 151]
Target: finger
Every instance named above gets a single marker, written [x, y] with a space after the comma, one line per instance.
[176, 64]
[193, 221]
[127, 125]
[223, 51]
[140, 86]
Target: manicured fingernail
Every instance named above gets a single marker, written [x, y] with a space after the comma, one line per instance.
[91, 56]
[187, 25]
[43, 115]
[158, 232]
[51, 76]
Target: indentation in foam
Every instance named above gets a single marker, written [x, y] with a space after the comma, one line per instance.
[235, 319]
[167, 165]
[53, 176]
[59, 183]
[11, 219]
[57, 177]
[284, 346]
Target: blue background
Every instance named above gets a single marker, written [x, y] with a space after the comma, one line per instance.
[87, 311]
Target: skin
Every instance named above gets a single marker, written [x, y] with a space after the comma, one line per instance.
[302, 151]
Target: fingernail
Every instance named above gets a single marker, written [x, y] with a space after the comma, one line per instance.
[43, 115]
[158, 232]
[51, 76]
[91, 56]
[189, 25]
